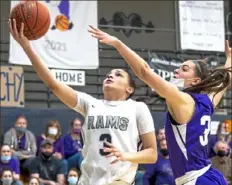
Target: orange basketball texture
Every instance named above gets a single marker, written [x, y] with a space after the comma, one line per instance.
[62, 22]
[34, 15]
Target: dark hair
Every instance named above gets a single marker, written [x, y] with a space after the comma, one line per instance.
[21, 116]
[158, 130]
[4, 170]
[34, 178]
[72, 122]
[75, 170]
[131, 81]
[212, 80]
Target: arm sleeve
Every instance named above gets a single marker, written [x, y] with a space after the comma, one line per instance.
[144, 119]
[61, 169]
[33, 145]
[61, 147]
[7, 139]
[69, 150]
[83, 102]
[17, 169]
[34, 166]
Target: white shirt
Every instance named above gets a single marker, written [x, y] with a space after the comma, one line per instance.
[118, 122]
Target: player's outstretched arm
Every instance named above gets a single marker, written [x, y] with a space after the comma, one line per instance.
[176, 99]
[65, 93]
[142, 70]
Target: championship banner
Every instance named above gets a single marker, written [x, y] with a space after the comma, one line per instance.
[202, 25]
[62, 47]
[12, 86]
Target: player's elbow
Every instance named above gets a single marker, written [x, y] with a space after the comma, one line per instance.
[152, 155]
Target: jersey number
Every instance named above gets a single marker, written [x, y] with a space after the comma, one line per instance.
[102, 138]
[205, 120]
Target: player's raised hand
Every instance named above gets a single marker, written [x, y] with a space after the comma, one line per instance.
[18, 36]
[103, 37]
[114, 152]
[228, 49]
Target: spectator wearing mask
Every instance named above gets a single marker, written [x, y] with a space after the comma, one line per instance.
[7, 178]
[73, 145]
[160, 173]
[222, 160]
[7, 161]
[22, 142]
[47, 167]
[53, 133]
[34, 181]
[73, 176]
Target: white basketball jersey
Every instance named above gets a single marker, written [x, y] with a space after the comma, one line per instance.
[118, 122]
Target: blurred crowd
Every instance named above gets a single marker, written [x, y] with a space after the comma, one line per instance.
[55, 158]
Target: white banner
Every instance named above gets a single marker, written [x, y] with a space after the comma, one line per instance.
[73, 48]
[70, 77]
[202, 25]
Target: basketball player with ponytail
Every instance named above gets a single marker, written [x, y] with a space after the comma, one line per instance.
[190, 108]
[112, 128]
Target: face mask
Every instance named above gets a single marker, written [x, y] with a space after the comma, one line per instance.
[164, 152]
[47, 155]
[6, 181]
[5, 158]
[72, 180]
[178, 82]
[20, 129]
[77, 130]
[221, 153]
[52, 131]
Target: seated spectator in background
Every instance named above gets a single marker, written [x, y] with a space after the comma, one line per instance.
[73, 145]
[160, 173]
[7, 161]
[53, 133]
[222, 135]
[47, 167]
[34, 181]
[73, 176]
[160, 136]
[22, 142]
[7, 178]
[222, 160]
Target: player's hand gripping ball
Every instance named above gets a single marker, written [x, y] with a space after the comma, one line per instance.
[34, 15]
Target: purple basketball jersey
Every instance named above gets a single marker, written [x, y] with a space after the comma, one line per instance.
[187, 143]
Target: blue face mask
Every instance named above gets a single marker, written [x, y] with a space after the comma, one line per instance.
[6, 181]
[5, 158]
[72, 180]
[20, 129]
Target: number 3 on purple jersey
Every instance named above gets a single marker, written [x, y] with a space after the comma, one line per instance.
[205, 120]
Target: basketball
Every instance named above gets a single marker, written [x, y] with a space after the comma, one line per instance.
[34, 15]
[62, 23]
